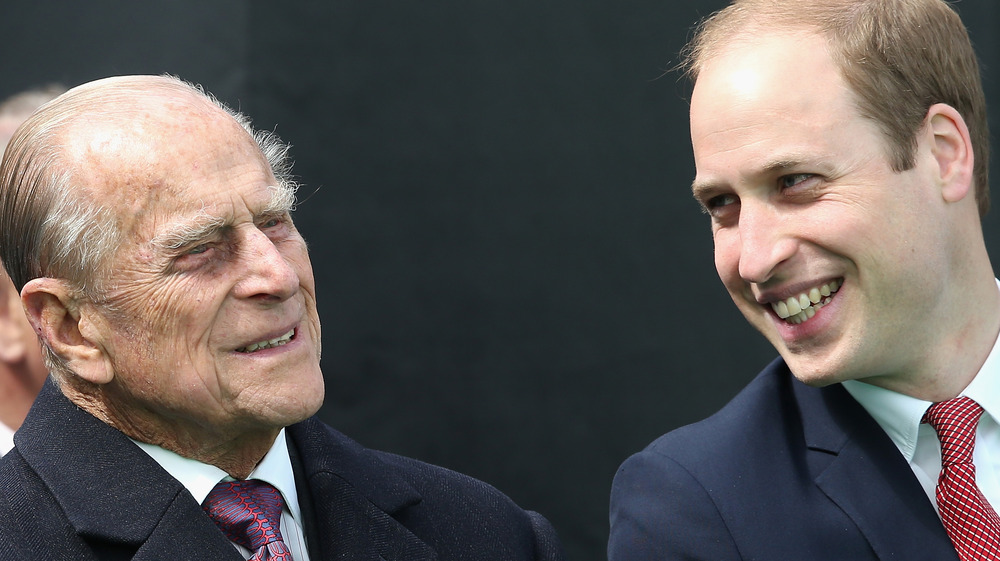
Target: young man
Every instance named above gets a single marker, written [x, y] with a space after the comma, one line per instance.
[841, 151]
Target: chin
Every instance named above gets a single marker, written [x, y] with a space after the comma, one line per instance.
[291, 404]
[809, 374]
[816, 381]
[306, 404]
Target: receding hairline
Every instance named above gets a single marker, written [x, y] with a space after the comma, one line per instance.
[121, 113]
[116, 101]
[742, 32]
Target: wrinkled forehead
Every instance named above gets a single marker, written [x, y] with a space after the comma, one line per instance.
[176, 157]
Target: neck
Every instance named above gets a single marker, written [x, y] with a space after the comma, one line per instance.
[235, 451]
[964, 344]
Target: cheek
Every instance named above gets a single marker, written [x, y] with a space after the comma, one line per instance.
[178, 313]
[297, 256]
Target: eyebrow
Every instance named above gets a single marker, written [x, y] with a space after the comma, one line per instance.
[282, 200]
[185, 233]
[702, 189]
[203, 225]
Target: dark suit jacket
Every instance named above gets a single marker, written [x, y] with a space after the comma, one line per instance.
[76, 489]
[784, 472]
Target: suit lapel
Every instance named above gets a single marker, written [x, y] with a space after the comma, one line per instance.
[352, 527]
[184, 532]
[860, 469]
[349, 498]
[112, 493]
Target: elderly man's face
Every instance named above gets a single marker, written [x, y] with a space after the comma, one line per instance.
[838, 260]
[209, 318]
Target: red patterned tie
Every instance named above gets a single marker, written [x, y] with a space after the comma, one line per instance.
[971, 522]
[249, 514]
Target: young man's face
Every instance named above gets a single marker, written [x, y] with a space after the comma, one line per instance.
[837, 259]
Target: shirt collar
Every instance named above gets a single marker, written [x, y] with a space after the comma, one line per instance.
[199, 478]
[900, 415]
[985, 387]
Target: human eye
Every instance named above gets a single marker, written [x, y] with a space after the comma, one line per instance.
[193, 257]
[276, 226]
[269, 222]
[720, 206]
[720, 201]
[794, 180]
[273, 220]
[198, 249]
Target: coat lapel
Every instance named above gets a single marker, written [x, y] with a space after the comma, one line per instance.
[184, 532]
[113, 494]
[860, 469]
[349, 498]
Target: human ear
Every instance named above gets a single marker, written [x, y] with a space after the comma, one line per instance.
[69, 327]
[952, 149]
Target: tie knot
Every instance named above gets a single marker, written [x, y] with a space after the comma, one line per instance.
[955, 422]
[248, 512]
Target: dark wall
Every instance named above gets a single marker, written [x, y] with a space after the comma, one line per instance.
[514, 280]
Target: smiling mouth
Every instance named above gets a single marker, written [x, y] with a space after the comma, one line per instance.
[802, 308]
[268, 344]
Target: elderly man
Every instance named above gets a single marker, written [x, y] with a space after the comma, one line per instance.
[841, 153]
[149, 231]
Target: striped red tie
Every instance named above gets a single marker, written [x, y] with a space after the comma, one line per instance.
[972, 524]
[249, 514]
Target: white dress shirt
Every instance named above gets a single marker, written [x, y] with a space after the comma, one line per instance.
[275, 468]
[6, 439]
[899, 415]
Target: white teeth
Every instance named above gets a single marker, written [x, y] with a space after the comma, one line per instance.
[781, 309]
[270, 343]
[814, 296]
[793, 306]
[798, 309]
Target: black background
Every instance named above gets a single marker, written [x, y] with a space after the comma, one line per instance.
[514, 280]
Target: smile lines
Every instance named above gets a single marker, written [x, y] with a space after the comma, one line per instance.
[798, 309]
[271, 343]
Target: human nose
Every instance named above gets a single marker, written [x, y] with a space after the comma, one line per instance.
[270, 275]
[765, 242]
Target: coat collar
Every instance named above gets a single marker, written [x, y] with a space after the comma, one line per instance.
[352, 497]
[109, 489]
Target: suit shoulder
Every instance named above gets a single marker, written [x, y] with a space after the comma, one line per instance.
[468, 506]
[463, 516]
[334, 451]
[760, 401]
[445, 489]
[31, 518]
[762, 415]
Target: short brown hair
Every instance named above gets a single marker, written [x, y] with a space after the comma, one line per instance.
[898, 56]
